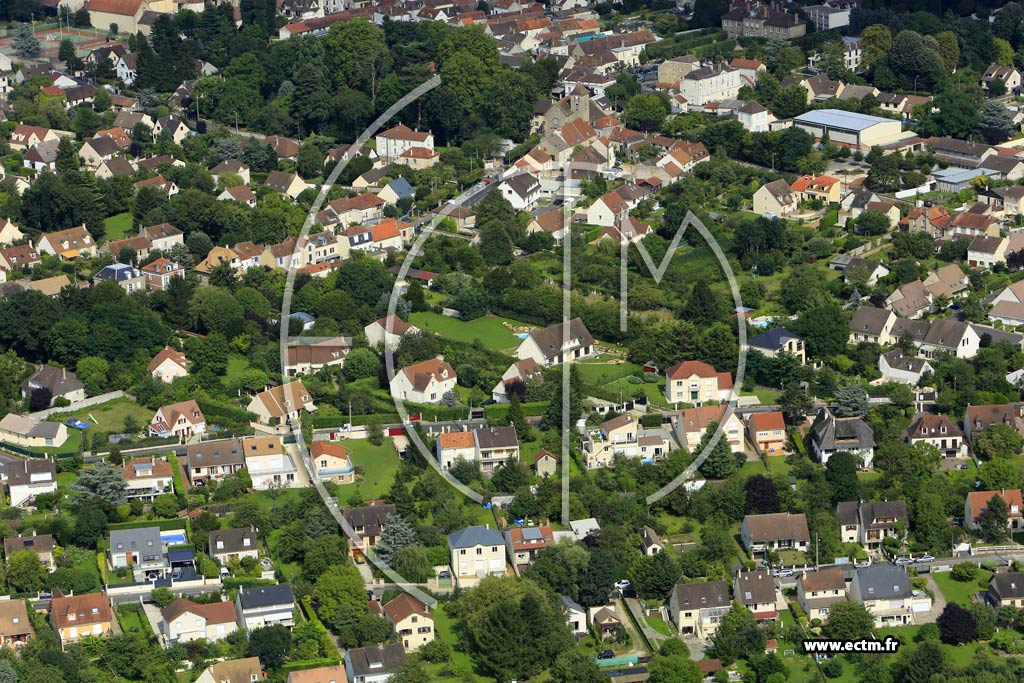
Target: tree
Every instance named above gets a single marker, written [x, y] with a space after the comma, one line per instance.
[915, 60]
[884, 174]
[871, 223]
[848, 621]
[272, 644]
[956, 625]
[677, 668]
[998, 441]
[851, 401]
[994, 520]
[25, 573]
[996, 124]
[654, 575]
[495, 245]
[92, 372]
[762, 495]
[337, 587]
[575, 666]
[396, 534]
[90, 526]
[702, 308]
[99, 481]
[39, 399]
[26, 44]
[737, 635]
[514, 629]
[645, 112]
[841, 474]
[795, 403]
[721, 461]
[875, 43]
[824, 329]
[162, 597]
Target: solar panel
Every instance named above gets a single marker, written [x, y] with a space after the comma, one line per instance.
[532, 534]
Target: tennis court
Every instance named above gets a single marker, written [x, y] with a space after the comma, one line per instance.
[49, 36]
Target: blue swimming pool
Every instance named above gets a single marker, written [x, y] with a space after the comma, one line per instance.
[173, 537]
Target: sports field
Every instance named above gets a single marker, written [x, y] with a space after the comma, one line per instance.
[86, 40]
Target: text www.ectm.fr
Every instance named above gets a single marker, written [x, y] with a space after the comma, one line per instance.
[887, 646]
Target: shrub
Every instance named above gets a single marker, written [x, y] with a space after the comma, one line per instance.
[832, 668]
[965, 571]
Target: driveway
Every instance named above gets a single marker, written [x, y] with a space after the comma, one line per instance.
[938, 603]
[695, 646]
[636, 642]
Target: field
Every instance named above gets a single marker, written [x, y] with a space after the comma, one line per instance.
[960, 592]
[489, 329]
[379, 465]
[118, 226]
[85, 39]
[236, 366]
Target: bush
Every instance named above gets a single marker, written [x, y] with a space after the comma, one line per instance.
[965, 571]
[832, 668]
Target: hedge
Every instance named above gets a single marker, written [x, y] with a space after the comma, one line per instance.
[242, 582]
[310, 664]
[163, 524]
[215, 411]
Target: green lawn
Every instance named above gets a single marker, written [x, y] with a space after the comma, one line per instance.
[236, 366]
[659, 625]
[960, 591]
[488, 329]
[130, 620]
[109, 417]
[460, 668]
[379, 465]
[117, 226]
[600, 374]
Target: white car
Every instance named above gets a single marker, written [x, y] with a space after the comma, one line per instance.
[862, 564]
[925, 558]
[782, 573]
[623, 584]
[903, 561]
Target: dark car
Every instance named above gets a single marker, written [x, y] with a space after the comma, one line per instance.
[607, 654]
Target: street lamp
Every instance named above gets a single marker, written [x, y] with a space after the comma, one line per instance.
[915, 84]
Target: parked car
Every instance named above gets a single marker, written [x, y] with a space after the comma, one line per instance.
[176, 574]
[903, 561]
[925, 558]
[782, 573]
[861, 564]
[606, 654]
[623, 584]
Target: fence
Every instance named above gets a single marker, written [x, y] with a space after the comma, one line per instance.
[78, 405]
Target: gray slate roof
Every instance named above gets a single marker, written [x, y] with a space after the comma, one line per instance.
[472, 536]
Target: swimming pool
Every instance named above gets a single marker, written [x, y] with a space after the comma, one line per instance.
[173, 537]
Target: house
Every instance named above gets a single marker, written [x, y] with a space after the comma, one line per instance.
[58, 381]
[870, 271]
[183, 621]
[68, 244]
[310, 358]
[754, 117]
[24, 137]
[180, 420]
[160, 272]
[27, 479]
[412, 621]
[233, 166]
[396, 191]
[168, 365]
[281, 404]
[286, 183]
[979, 418]
[776, 341]
[334, 673]
[818, 590]
[698, 608]
[696, 383]
[15, 626]
[268, 464]
[246, 670]
[521, 190]
[494, 446]
[1007, 589]
[709, 84]
[476, 552]
[885, 591]
[96, 150]
[424, 382]
[21, 256]
[139, 247]
[825, 189]
[575, 616]
[168, 187]
[226, 545]
[605, 622]
[373, 664]
[755, 19]
[767, 432]
[524, 543]
[691, 424]
[213, 460]
[332, 462]
[171, 126]
[42, 545]
[870, 523]
[831, 434]
[419, 158]
[517, 375]
[985, 251]
[1010, 77]
[551, 345]
[147, 478]
[978, 500]
[938, 431]
[368, 522]
[78, 616]
[265, 606]
[775, 199]
[545, 463]
[163, 236]
[651, 541]
[31, 433]
[139, 550]
[755, 590]
[42, 157]
[910, 301]
[774, 532]
[128, 277]
[871, 325]
[393, 142]
[240, 194]
[616, 437]
[117, 166]
[1007, 305]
